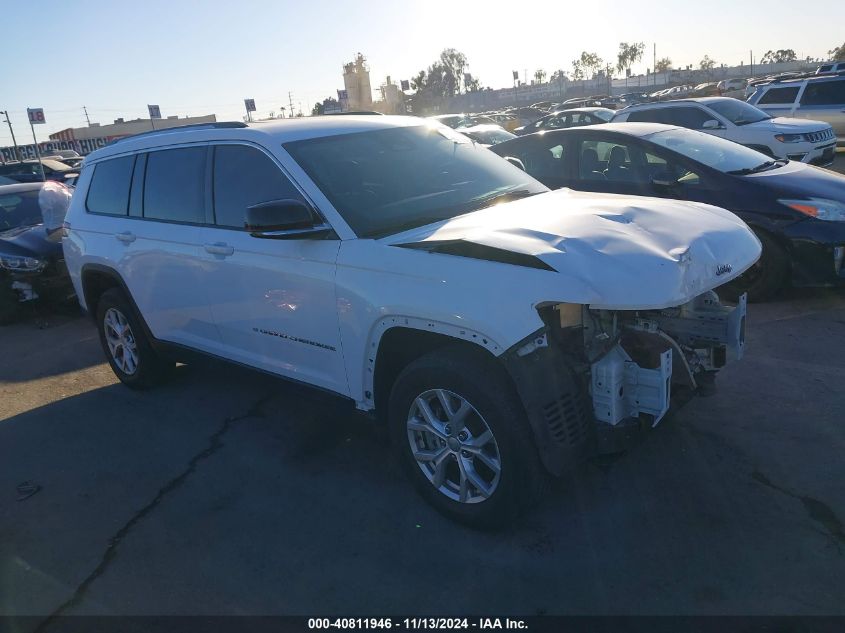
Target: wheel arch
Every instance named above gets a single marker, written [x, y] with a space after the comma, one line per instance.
[97, 279]
[396, 341]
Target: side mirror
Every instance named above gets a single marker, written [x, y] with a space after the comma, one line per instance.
[712, 124]
[283, 220]
[515, 161]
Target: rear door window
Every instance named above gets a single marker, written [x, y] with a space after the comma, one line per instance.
[689, 117]
[175, 184]
[109, 190]
[824, 93]
[779, 95]
[244, 176]
[652, 115]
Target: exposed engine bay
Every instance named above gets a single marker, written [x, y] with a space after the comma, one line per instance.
[636, 358]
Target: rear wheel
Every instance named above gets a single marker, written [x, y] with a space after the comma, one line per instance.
[459, 431]
[766, 277]
[127, 349]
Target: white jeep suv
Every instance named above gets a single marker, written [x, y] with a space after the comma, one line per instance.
[801, 140]
[501, 330]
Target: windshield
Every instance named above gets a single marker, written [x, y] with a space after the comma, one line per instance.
[387, 181]
[604, 114]
[19, 209]
[489, 137]
[738, 112]
[715, 152]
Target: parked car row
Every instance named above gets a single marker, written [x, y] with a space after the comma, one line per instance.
[30, 170]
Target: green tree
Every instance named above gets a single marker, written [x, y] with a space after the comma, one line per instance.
[577, 70]
[706, 63]
[418, 81]
[778, 56]
[320, 108]
[590, 63]
[453, 64]
[628, 55]
[837, 54]
[558, 76]
[663, 65]
[539, 75]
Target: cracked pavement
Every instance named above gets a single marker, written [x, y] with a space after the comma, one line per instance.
[228, 492]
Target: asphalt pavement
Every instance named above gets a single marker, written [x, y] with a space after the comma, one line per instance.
[229, 492]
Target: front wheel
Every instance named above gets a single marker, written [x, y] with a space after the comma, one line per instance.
[460, 432]
[766, 277]
[132, 358]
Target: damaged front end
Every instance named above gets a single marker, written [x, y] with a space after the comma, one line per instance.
[592, 380]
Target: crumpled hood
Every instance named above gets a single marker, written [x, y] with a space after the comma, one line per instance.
[609, 251]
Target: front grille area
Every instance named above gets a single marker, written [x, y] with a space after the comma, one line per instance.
[818, 137]
[567, 420]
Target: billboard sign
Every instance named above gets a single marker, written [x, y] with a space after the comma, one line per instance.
[250, 105]
[155, 111]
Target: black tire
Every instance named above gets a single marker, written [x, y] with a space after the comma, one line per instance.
[481, 382]
[766, 278]
[10, 303]
[150, 369]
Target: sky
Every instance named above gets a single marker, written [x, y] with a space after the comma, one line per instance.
[205, 56]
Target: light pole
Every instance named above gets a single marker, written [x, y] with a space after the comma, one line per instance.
[12, 132]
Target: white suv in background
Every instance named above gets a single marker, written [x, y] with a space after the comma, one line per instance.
[819, 97]
[500, 330]
[801, 140]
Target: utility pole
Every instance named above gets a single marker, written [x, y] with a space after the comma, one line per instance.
[654, 63]
[751, 56]
[290, 101]
[12, 132]
[86, 116]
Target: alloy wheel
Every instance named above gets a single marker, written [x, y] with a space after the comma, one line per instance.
[453, 446]
[121, 341]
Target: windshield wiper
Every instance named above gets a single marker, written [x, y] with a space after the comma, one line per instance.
[749, 121]
[769, 164]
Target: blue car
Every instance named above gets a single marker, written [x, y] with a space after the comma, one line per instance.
[796, 210]
[31, 259]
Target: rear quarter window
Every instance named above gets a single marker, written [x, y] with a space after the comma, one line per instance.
[824, 93]
[656, 115]
[108, 192]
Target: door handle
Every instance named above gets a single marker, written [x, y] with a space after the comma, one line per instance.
[219, 248]
[126, 237]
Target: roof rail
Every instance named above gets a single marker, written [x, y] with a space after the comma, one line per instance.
[838, 73]
[179, 128]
